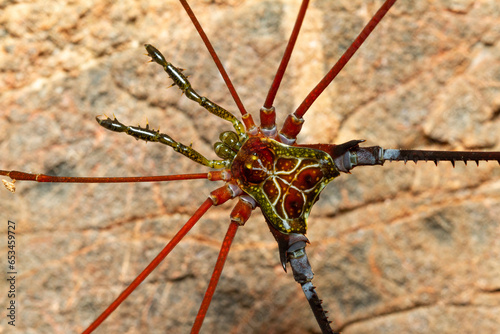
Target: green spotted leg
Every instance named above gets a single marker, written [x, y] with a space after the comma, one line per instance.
[183, 83]
[147, 134]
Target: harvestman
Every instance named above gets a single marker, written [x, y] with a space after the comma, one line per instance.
[252, 162]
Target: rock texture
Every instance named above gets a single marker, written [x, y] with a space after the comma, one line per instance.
[395, 249]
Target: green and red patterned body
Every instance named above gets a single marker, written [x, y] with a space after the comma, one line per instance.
[284, 180]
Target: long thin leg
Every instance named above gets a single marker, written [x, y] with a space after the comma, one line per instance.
[22, 176]
[247, 118]
[268, 112]
[363, 35]
[157, 260]
[221, 260]
[240, 214]
[217, 197]
[294, 122]
[286, 56]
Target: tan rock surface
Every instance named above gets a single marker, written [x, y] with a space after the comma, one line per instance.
[395, 249]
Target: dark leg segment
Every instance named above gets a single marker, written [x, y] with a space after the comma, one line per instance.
[349, 155]
[303, 274]
[375, 155]
[292, 249]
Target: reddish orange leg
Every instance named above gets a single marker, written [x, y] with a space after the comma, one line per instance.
[247, 118]
[214, 280]
[239, 216]
[218, 196]
[268, 112]
[293, 123]
[22, 176]
[157, 260]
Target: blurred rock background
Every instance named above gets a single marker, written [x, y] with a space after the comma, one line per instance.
[409, 249]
